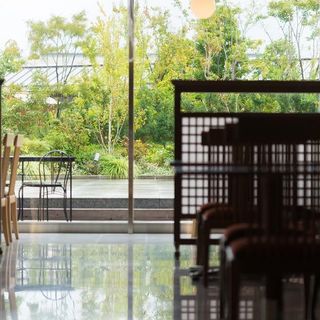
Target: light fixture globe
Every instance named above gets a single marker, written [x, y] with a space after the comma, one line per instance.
[203, 9]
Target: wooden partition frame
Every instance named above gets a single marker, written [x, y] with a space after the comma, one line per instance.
[238, 86]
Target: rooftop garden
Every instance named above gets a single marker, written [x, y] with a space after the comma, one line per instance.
[76, 97]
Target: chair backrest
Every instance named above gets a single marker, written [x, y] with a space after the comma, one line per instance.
[285, 165]
[55, 168]
[15, 163]
[7, 144]
[223, 188]
[269, 169]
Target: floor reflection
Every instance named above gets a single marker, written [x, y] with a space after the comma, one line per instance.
[95, 279]
[197, 303]
[53, 277]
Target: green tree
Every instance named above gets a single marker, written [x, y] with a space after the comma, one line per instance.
[223, 47]
[298, 21]
[26, 110]
[278, 62]
[103, 93]
[162, 55]
[57, 42]
[10, 59]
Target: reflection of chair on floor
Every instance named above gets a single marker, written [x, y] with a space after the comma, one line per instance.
[10, 195]
[55, 260]
[50, 276]
[54, 175]
[194, 301]
[8, 281]
[7, 144]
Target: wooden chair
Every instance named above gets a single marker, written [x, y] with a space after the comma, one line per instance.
[6, 225]
[10, 195]
[287, 168]
[226, 191]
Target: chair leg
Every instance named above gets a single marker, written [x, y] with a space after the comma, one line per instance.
[65, 205]
[20, 215]
[199, 241]
[13, 304]
[274, 296]
[21, 204]
[14, 218]
[205, 253]
[8, 218]
[40, 203]
[2, 306]
[222, 281]
[314, 296]
[234, 285]
[47, 203]
[306, 284]
[5, 224]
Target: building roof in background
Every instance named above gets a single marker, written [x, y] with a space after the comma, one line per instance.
[51, 66]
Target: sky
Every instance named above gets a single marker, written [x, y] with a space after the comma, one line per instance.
[15, 13]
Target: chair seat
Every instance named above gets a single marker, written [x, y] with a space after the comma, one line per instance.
[220, 215]
[223, 215]
[53, 185]
[43, 184]
[207, 206]
[238, 230]
[290, 251]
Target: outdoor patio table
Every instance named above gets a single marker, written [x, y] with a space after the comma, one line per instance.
[26, 159]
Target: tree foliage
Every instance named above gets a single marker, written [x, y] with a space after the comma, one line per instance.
[58, 43]
[103, 93]
[10, 59]
[90, 113]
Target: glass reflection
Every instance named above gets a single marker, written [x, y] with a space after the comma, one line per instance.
[120, 277]
[88, 281]
[64, 281]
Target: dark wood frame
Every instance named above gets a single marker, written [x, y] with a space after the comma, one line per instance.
[238, 86]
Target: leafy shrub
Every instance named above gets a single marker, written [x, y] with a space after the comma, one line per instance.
[84, 160]
[140, 149]
[35, 147]
[149, 169]
[160, 155]
[57, 141]
[113, 166]
[68, 133]
[156, 160]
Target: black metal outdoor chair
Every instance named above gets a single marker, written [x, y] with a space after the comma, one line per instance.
[54, 175]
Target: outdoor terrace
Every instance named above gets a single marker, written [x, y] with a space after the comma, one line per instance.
[101, 199]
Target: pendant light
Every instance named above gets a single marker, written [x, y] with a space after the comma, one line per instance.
[203, 9]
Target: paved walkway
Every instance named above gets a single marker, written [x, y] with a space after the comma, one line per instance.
[105, 188]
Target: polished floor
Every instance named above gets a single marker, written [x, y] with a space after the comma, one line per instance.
[69, 276]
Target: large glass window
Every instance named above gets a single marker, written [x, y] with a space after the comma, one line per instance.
[257, 40]
[66, 71]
